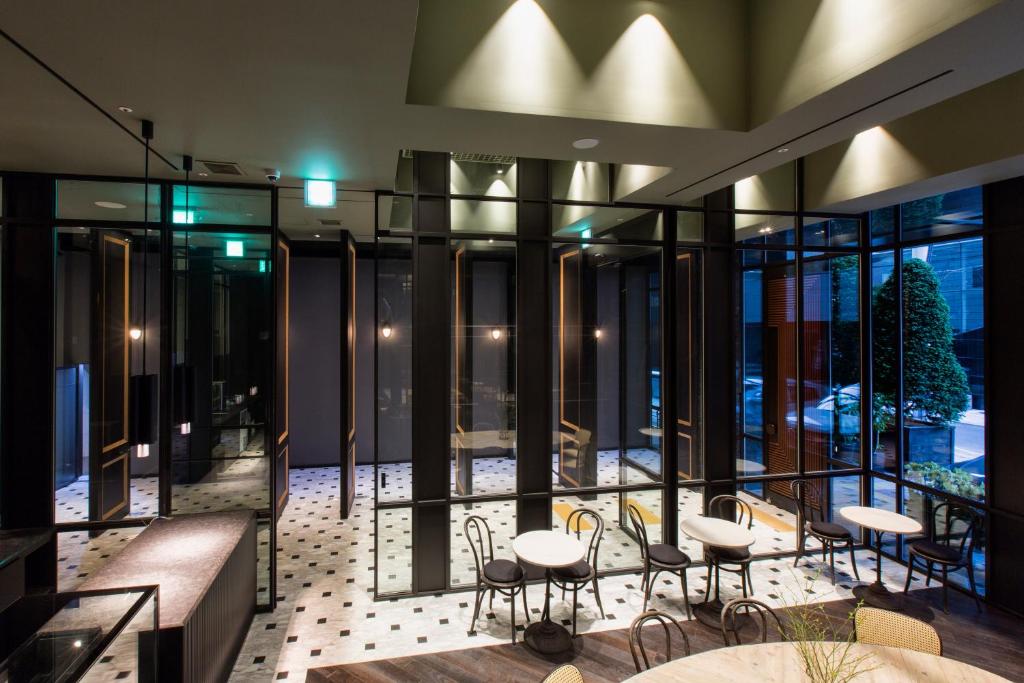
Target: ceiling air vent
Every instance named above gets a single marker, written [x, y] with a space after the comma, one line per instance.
[330, 221]
[484, 158]
[222, 167]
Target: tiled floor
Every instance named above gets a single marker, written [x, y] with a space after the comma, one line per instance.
[327, 615]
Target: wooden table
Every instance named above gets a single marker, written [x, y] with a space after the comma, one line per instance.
[551, 550]
[721, 533]
[880, 521]
[780, 663]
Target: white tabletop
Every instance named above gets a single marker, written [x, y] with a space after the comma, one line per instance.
[881, 520]
[548, 548]
[721, 533]
[748, 466]
[487, 438]
[651, 431]
[781, 663]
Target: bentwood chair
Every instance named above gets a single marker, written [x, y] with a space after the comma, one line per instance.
[749, 606]
[567, 673]
[497, 576]
[882, 627]
[578, 575]
[734, 560]
[659, 557]
[828, 533]
[636, 641]
[952, 549]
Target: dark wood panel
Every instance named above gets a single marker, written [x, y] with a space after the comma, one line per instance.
[533, 367]
[990, 640]
[430, 534]
[281, 370]
[719, 370]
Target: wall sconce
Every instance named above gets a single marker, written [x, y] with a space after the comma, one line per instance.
[186, 428]
[597, 333]
[386, 330]
[135, 333]
[496, 333]
[142, 450]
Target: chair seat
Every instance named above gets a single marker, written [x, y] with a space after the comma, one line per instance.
[576, 571]
[829, 529]
[663, 553]
[503, 571]
[935, 551]
[729, 554]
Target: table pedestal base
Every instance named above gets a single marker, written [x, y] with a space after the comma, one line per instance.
[877, 595]
[709, 613]
[547, 637]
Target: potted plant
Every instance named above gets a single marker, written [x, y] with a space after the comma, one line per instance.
[935, 389]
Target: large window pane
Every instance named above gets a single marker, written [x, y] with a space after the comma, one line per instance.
[948, 525]
[943, 367]
[942, 214]
[883, 370]
[483, 175]
[483, 347]
[607, 419]
[394, 369]
[831, 232]
[763, 229]
[197, 205]
[97, 200]
[394, 550]
[472, 215]
[606, 223]
[773, 190]
[831, 363]
[619, 547]
[500, 516]
[689, 370]
[580, 181]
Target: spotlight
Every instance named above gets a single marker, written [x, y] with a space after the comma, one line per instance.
[385, 330]
[135, 333]
[782, 150]
[597, 333]
[125, 110]
[495, 333]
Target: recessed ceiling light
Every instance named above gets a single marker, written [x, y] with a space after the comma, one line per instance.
[203, 174]
[586, 143]
[500, 171]
[782, 150]
[316, 235]
[125, 110]
[110, 205]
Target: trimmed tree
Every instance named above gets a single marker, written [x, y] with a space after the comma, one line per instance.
[935, 388]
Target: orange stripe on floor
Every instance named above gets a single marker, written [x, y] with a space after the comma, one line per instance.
[645, 514]
[564, 510]
[771, 520]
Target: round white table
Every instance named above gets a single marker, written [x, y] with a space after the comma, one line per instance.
[744, 466]
[721, 533]
[880, 521]
[780, 663]
[652, 431]
[548, 549]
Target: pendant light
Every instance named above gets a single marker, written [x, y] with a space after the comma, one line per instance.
[143, 387]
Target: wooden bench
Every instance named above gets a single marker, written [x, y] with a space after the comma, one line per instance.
[205, 565]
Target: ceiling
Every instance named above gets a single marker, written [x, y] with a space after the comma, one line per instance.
[335, 88]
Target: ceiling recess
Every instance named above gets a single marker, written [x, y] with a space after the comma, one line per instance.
[222, 167]
[330, 221]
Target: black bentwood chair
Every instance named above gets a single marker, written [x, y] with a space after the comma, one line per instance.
[953, 549]
[636, 641]
[735, 560]
[576, 576]
[661, 557]
[748, 606]
[501, 576]
[828, 533]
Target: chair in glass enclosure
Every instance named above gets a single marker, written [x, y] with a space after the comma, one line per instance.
[828, 533]
[636, 641]
[734, 560]
[576, 576]
[749, 607]
[502, 576]
[952, 549]
[661, 557]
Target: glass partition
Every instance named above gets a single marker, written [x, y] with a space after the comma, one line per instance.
[97, 200]
[201, 204]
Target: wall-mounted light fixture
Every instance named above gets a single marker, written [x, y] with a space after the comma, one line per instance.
[597, 333]
[321, 194]
[135, 333]
[234, 248]
[386, 330]
[496, 333]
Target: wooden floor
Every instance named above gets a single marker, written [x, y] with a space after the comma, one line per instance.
[991, 640]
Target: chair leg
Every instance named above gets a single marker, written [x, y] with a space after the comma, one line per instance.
[597, 597]
[647, 593]
[970, 579]
[575, 600]
[800, 540]
[513, 601]
[750, 579]
[824, 548]
[832, 561]
[910, 571]
[490, 603]
[686, 593]
[928, 579]
[526, 610]
[707, 590]
[476, 610]
[945, 589]
[718, 580]
[853, 560]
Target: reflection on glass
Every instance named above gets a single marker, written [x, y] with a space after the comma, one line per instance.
[471, 215]
[773, 190]
[607, 421]
[952, 526]
[691, 504]
[942, 214]
[580, 181]
[884, 340]
[832, 232]
[483, 348]
[394, 213]
[689, 371]
[107, 356]
[761, 229]
[883, 225]
[394, 550]
[619, 546]
[483, 175]
[197, 205]
[500, 516]
[222, 361]
[96, 200]
[768, 405]
[883, 497]
[831, 364]
[394, 370]
[943, 365]
[604, 222]
[689, 226]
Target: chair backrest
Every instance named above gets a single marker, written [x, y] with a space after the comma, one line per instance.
[882, 627]
[742, 511]
[477, 531]
[640, 528]
[804, 509]
[567, 673]
[955, 526]
[749, 606]
[574, 524]
[636, 641]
